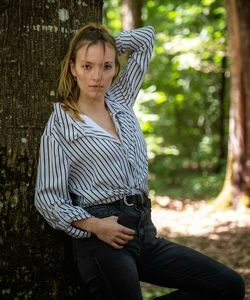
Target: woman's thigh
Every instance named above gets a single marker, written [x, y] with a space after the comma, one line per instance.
[169, 264]
[107, 273]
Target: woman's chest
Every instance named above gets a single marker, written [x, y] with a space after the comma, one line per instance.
[99, 148]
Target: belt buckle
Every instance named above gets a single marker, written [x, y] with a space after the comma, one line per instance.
[126, 201]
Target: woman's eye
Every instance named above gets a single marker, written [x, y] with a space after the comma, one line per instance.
[86, 67]
[107, 67]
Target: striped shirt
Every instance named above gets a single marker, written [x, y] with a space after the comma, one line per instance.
[80, 159]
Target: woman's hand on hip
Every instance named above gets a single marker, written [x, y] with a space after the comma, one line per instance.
[109, 231]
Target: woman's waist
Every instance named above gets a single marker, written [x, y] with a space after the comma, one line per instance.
[97, 197]
[131, 206]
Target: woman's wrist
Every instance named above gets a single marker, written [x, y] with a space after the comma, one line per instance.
[88, 224]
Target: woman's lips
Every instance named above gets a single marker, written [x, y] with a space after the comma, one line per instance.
[96, 86]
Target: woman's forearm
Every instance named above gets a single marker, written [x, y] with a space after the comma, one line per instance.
[88, 224]
[135, 39]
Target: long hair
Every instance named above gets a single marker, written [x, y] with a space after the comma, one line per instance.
[68, 90]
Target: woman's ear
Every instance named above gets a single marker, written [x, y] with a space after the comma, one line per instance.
[72, 68]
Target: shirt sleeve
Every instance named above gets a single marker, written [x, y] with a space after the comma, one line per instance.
[139, 43]
[52, 198]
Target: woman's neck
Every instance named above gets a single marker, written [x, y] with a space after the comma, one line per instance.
[91, 106]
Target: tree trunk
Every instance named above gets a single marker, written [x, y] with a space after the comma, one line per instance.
[236, 190]
[35, 260]
[221, 119]
[131, 18]
[131, 14]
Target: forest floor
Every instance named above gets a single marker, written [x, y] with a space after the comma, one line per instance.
[223, 235]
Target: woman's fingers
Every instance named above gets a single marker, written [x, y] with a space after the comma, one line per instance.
[114, 233]
[123, 239]
[119, 243]
[116, 246]
[128, 231]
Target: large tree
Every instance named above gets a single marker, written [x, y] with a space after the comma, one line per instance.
[236, 190]
[35, 260]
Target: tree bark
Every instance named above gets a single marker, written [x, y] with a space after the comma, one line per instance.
[236, 190]
[131, 14]
[222, 144]
[35, 260]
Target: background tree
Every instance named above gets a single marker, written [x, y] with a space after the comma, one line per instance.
[35, 261]
[131, 14]
[236, 188]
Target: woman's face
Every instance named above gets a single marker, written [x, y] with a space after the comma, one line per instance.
[94, 70]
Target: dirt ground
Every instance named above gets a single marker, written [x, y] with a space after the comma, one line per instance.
[223, 235]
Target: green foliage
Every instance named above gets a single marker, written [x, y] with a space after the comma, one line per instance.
[179, 105]
[180, 183]
[112, 15]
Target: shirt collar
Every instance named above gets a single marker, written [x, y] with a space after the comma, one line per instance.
[72, 129]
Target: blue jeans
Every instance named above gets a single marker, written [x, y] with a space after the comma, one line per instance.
[111, 274]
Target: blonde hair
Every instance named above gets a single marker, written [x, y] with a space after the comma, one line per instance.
[68, 90]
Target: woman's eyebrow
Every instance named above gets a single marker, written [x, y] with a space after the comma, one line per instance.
[85, 61]
[91, 62]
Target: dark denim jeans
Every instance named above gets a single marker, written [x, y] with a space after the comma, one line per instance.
[112, 274]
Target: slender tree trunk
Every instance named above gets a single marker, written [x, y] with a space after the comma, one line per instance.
[131, 14]
[131, 18]
[222, 144]
[35, 260]
[236, 188]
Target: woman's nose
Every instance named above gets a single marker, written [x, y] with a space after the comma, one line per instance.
[97, 75]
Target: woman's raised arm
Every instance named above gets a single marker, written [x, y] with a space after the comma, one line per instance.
[139, 43]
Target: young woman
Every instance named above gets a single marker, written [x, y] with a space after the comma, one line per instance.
[92, 178]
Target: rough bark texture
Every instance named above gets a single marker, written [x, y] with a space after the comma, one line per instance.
[237, 183]
[35, 260]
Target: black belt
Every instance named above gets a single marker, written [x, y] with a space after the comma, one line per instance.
[136, 199]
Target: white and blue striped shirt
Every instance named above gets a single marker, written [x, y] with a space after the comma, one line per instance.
[77, 158]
